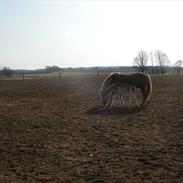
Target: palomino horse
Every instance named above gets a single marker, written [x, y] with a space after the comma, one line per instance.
[137, 80]
[117, 89]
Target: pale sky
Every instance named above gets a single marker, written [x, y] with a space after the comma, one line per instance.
[34, 34]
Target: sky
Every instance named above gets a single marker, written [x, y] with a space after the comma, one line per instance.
[34, 34]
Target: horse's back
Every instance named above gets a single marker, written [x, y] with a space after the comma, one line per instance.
[138, 79]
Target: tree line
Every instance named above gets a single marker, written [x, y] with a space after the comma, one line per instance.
[158, 60]
[6, 71]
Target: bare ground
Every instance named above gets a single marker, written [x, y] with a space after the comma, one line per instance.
[54, 130]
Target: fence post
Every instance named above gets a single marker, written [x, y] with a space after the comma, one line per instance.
[23, 76]
[97, 73]
[97, 70]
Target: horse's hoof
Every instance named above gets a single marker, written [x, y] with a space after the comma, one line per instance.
[102, 109]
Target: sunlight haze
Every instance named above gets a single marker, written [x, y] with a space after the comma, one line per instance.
[35, 34]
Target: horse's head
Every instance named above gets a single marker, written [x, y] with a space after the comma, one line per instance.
[104, 87]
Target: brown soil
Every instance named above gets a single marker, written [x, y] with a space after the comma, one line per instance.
[53, 130]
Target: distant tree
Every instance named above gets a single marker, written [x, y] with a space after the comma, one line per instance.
[6, 71]
[141, 60]
[178, 66]
[162, 60]
[54, 68]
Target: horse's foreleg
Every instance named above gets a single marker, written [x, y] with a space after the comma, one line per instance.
[133, 94]
[130, 96]
[144, 96]
[129, 103]
[109, 104]
[112, 102]
[121, 99]
[135, 98]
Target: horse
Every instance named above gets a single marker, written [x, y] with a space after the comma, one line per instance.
[117, 89]
[137, 79]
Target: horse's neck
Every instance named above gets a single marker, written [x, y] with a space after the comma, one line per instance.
[110, 87]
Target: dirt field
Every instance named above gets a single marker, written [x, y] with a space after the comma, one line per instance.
[52, 130]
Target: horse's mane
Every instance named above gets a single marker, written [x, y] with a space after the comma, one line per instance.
[112, 86]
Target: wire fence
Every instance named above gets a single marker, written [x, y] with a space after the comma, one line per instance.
[59, 75]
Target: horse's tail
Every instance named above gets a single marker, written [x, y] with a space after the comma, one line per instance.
[149, 88]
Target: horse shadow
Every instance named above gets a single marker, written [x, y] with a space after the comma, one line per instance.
[115, 110]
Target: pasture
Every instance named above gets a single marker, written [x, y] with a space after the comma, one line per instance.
[52, 130]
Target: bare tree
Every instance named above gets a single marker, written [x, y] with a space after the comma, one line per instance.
[141, 60]
[152, 58]
[162, 60]
[178, 66]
